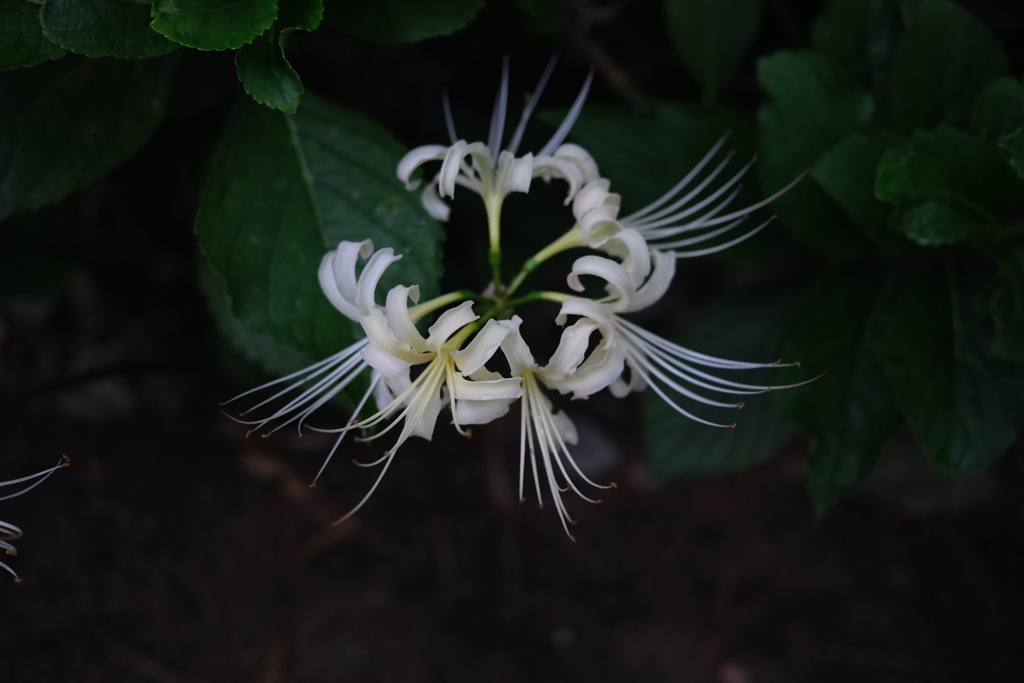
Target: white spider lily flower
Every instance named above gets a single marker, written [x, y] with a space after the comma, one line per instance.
[9, 532]
[493, 171]
[543, 431]
[637, 358]
[693, 211]
[454, 374]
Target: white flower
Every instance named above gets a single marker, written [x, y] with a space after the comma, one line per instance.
[691, 212]
[493, 170]
[542, 429]
[9, 532]
[631, 358]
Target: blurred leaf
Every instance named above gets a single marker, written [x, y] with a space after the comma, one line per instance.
[950, 186]
[813, 105]
[847, 174]
[712, 37]
[104, 28]
[962, 403]
[269, 212]
[837, 328]
[22, 41]
[402, 21]
[999, 109]
[64, 124]
[945, 59]
[739, 328]
[1014, 144]
[861, 37]
[1006, 306]
[213, 24]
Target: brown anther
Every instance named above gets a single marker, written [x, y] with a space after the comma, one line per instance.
[313, 485]
[18, 579]
[247, 433]
[732, 152]
[733, 426]
[522, 500]
[572, 538]
[613, 485]
[796, 363]
[265, 436]
[753, 158]
[777, 362]
[774, 217]
[598, 501]
[469, 433]
[12, 552]
[741, 404]
[540, 505]
[66, 461]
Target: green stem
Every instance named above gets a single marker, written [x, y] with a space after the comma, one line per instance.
[417, 312]
[572, 238]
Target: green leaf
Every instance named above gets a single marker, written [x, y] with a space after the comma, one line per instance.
[813, 105]
[950, 186]
[962, 404]
[267, 75]
[213, 24]
[860, 36]
[847, 174]
[1014, 145]
[104, 28]
[64, 124]
[270, 211]
[1007, 308]
[402, 21]
[22, 41]
[262, 66]
[712, 36]
[999, 109]
[837, 328]
[740, 328]
[945, 59]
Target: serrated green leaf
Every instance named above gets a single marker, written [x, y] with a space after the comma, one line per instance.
[1014, 145]
[22, 41]
[402, 21]
[860, 36]
[813, 105]
[104, 28]
[64, 124]
[266, 74]
[213, 24]
[999, 109]
[951, 185]
[740, 328]
[847, 174]
[837, 328]
[962, 404]
[262, 66]
[943, 61]
[269, 212]
[712, 37]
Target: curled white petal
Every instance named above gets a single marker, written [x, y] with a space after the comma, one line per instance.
[482, 347]
[580, 158]
[416, 158]
[448, 323]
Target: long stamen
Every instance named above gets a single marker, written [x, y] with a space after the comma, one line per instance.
[570, 119]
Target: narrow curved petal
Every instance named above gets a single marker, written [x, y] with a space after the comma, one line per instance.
[571, 351]
[516, 351]
[369, 279]
[432, 202]
[619, 282]
[550, 167]
[398, 317]
[580, 158]
[448, 323]
[483, 346]
[416, 158]
[663, 269]
[518, 173]
[594, 194]
[630, 247]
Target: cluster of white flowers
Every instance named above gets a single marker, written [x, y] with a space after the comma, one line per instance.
[9, 532]
[413, 378]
